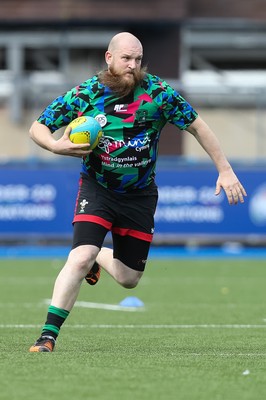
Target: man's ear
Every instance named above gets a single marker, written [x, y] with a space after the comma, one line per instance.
[108, 57]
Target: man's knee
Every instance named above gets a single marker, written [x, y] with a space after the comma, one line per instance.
[128, 284]
[129, 281]
[83, 257]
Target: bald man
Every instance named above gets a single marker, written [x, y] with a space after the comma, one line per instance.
[117, 191]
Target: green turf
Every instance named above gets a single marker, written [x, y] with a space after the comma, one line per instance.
[173, 349]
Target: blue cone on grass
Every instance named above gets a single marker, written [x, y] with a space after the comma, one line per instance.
[131, 301]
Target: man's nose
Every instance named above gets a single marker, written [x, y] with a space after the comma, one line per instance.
[132, 64]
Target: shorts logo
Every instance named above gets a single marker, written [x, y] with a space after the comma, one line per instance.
[142, 262]
[83, 204]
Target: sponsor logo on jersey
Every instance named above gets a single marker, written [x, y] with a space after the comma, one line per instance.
[121, 107]
[101, 118]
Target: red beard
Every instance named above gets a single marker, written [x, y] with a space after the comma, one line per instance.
[119, 84]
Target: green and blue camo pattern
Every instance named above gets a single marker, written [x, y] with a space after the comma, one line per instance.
[125, 158]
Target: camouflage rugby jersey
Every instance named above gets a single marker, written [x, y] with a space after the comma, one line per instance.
[125, 158]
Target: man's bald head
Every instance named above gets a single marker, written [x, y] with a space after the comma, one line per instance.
[124, 40]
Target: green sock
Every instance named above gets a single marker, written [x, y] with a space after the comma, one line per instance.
[55, 318]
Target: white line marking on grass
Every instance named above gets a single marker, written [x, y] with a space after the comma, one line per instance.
[102, 306]
[203, 326]
[19, 326]
[108, 326]
[192, 326]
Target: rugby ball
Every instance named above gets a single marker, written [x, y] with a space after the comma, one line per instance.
[85, 130]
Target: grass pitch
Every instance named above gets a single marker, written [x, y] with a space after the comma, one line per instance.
[200, 335]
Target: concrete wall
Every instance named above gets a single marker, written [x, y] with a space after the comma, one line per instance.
[250, 10]
[241, 132]
[106, 11]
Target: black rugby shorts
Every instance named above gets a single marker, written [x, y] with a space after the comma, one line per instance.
[129, 217]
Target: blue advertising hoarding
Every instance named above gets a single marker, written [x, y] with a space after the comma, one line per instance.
[39, 202]
[187, 205]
